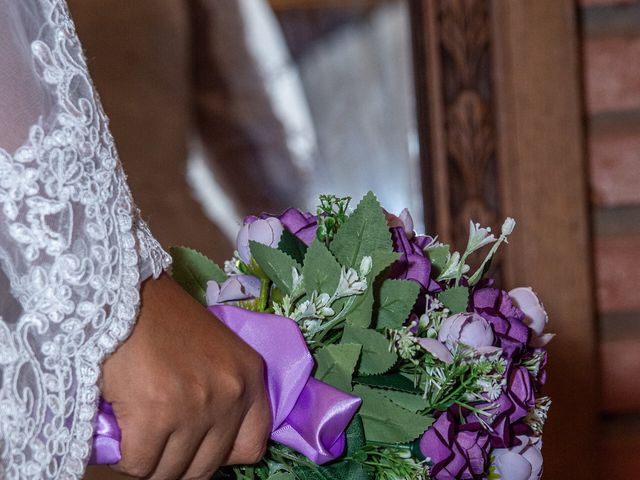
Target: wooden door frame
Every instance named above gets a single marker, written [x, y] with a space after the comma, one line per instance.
[500, 120]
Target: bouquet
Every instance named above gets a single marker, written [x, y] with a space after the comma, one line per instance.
[387, 356]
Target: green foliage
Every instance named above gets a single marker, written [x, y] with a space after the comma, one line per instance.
[277, 265]
[363, 233]
[376, 357]
[456, 299]
[192, 270]
[410, 401]
[385, 421]
[292, 246]
[393, 381]
[361, 313]
[331, 214]
[336, 364]
[397, 298]
[282, 476]
[321, 271]
[438, 255]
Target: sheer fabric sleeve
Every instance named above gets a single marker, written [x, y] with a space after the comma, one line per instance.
[73, 250]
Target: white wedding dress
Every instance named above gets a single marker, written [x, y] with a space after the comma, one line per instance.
[73, 249]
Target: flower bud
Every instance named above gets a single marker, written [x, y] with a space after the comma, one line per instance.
[469, 329]
[266, 231]
[508, 226]
[536, 317]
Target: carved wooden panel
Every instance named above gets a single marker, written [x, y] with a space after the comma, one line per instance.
[460, 167]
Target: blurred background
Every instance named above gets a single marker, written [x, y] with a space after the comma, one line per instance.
[456, 109]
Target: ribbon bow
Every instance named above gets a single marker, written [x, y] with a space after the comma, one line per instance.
[309, 416]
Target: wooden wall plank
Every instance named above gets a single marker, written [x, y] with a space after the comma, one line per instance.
[544, 176]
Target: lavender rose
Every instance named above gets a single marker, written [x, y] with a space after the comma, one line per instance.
[456, 451]
[522, 462]
[536, 317]
[235, 288]
[302, 225]
[469, 329]
[266, 231]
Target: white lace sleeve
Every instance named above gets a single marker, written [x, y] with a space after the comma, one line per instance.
[72, 248]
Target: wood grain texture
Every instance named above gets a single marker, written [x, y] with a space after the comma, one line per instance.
[543, 176]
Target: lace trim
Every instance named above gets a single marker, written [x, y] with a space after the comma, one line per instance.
[79, 249]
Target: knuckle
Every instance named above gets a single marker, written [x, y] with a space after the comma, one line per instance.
[236, 387]
[136, 468]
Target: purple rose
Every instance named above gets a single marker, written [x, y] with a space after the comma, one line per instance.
[456, 451]
[233, 289]
[413, 264]
[521, 462]
[510, 408]
[302, 225]
[507, 320]
[266, 231]
[536, 317]
[469, 329]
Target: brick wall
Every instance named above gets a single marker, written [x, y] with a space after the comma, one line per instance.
[611, 61]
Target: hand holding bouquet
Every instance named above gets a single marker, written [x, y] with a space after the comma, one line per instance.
[387, 357]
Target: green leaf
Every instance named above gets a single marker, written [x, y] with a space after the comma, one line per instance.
[438, 256]
[384, 421]
[364, 233]
[336, 364]
[292, 246]
[192, 270]
[321, 270]
[409, 401]
[276, 264]
[361, 312]
[397, 298]
[376, 357]
[344, 470]
[282, 476]
[456, 299]
[355, 435]
[394, 381]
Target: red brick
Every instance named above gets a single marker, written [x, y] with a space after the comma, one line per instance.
[620, 381]
[597, 3]
[612, 73]
[615, 167]
[618, 273]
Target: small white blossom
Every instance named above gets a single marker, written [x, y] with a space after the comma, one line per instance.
[365, 266]
[508, 226]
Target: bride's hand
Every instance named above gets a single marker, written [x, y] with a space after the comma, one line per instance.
[188, 394]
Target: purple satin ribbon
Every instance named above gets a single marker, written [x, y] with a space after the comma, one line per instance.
[309, 416]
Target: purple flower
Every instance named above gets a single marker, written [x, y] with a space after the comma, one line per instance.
[469, 329]
[266, 231]
[536, 317]
[437, 349]
[302, 225]
[413, 264]
[507, 320]
[521, 462]
[510, 408]
[456, 451]
[233, 289]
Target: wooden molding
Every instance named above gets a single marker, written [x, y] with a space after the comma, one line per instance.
[500, 120]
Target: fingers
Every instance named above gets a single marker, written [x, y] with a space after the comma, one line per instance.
[141, 447]
[211, 454]
[252, 438]
[178, 454]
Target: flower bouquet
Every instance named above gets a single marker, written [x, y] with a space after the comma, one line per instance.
[387, 357]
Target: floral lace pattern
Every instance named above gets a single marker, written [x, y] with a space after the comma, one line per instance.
[74, 252]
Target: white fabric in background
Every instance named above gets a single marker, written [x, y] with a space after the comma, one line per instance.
[73, 250]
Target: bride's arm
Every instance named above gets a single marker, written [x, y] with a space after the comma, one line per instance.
[74, 254]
